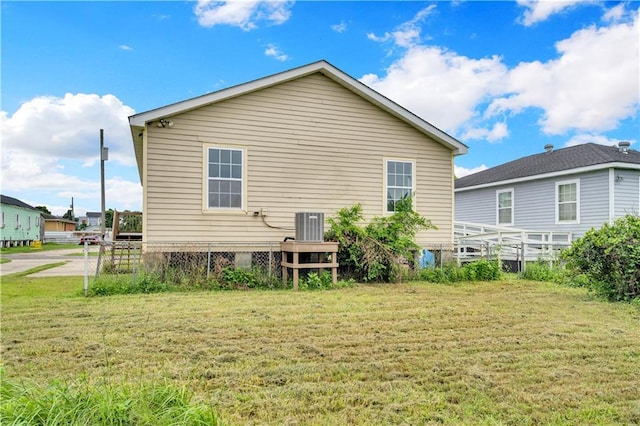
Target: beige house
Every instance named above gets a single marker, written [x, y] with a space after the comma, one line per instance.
[237, 164]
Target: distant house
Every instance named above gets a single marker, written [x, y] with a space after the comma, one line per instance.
[570, 189]
[20, 224]
[237, 164]
[94, 219]
[58, 224]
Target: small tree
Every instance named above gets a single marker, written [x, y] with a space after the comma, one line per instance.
[376, 251]
[610, 258]
[43, 209]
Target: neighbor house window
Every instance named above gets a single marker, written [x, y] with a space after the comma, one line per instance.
[399, 183]
[567, 201]
[2, 220]
[225, 171]
[17, 221]
[504, 201]
[28, 222]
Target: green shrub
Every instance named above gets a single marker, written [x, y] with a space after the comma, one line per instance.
[108, 285]
[377, 251]
[81, 403]
[540, 271]
[482, 270]
[610, 259]
[449, 273]
[315, 281]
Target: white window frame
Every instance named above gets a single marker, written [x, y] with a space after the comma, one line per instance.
[385, 177]
[512, 207]
[207, 180]
[577, 201]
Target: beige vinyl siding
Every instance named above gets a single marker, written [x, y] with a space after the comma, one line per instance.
[311, 145]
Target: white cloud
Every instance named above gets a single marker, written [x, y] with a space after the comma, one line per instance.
[591, 138]
[540, 10]
[125, 47]
[408, 33]
[49, 145]
[497, 132]
[591, 87]
[69, 127]
[615, 14]
[441, 86]
[244, 14]
[339, 28]
[462, 172]
[274, 51]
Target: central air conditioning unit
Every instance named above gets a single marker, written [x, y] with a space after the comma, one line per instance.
[309, 227]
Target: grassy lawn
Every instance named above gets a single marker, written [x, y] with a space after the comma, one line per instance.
[510, 352]
[45, 247]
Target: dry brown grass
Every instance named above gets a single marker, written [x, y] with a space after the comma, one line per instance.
[481, 353]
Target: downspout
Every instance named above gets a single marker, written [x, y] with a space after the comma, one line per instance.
[612, 197]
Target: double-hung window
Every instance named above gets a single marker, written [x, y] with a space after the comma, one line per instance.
[568, 202]
[400, 182]
[225, 178]
[504, 207]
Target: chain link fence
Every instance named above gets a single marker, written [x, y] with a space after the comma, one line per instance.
[198, 263]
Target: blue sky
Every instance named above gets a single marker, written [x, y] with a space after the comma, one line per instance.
[503, 77]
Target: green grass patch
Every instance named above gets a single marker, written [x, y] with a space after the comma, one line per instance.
[4, 260]
[45, 247]
[19, 288]
[501, 352]
[103, 404]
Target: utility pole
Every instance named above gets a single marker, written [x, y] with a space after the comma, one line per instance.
[104, 156]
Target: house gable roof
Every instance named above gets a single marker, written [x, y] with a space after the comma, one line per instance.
[138, 122]
[15, 202]
[52, 218]
[589, 156]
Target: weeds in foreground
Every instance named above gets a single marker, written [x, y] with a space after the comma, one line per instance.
[83, 403]
[481, 270]
[505, 352]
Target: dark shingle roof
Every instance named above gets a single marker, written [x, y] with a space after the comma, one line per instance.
[14, 202]
[585, 155]
[57, 218]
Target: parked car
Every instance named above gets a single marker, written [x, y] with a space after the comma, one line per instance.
[91, 239]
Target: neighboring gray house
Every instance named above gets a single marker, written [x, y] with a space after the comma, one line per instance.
[569, 190]
[94, 218]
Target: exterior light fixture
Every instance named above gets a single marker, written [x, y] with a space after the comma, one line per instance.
[164, 123]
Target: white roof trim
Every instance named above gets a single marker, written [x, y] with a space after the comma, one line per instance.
[142, 119]
[604, 166]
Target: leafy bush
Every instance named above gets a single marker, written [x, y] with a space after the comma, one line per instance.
[481, 270]
[377, 251]
[449, 273]
[107, 285]
[610, 258]
[540, 271]
[315, 281]
[81, 403]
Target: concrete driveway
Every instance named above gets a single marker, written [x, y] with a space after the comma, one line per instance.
[73, 258]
